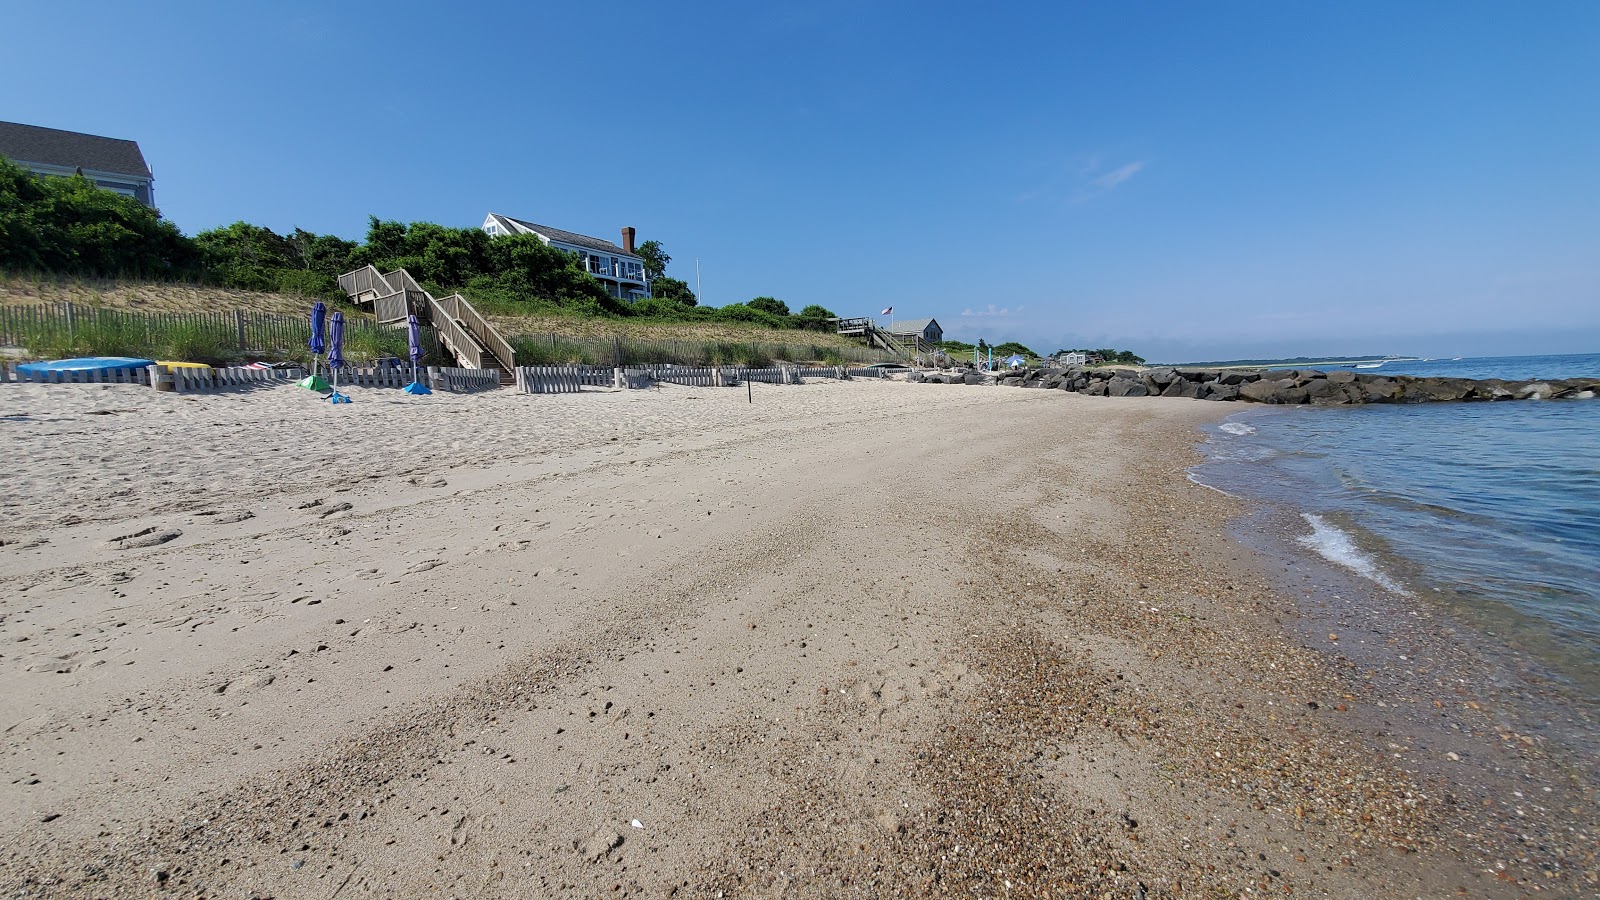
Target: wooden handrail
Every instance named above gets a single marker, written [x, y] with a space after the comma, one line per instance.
[454, 337]
[484, 332]
[364, 279]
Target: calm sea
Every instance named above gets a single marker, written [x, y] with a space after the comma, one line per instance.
[1490, 509]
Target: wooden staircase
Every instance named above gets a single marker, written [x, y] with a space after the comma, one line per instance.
[874, 336]
[462, 330]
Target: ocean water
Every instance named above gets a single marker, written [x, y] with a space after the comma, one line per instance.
[1489, 509]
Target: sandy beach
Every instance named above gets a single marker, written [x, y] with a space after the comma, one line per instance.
[855, 639]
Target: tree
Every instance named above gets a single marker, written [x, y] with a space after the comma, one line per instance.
[770, 306]
[672, 289]
[1012, 347]
[815, 318]
[655, 259]
[72, 225]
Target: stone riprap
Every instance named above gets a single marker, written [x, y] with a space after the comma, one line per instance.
[1297, 386]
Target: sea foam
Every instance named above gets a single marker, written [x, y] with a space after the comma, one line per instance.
[1238, 428]
[1336, 546]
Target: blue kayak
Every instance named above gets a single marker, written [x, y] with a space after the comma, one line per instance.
[85, 364]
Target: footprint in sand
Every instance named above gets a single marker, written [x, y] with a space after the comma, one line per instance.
[222, 517]
[424, 566]
[64, 664]
[428, 481]
[149, 537]
[327, 511]
[245, 683]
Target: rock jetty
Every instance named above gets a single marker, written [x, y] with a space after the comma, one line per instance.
[1296, 386]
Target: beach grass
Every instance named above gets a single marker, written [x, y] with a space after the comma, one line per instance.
[539, 338]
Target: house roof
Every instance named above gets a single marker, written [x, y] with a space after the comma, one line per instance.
[53, 147]
[568, 237]
[909, 326]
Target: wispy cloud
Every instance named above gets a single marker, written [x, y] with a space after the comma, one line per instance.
[992, 311]
[1081, 179]
[1111, 179]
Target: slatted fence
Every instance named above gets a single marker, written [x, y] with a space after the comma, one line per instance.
[186, 379]
[65, 329]
[461, 381]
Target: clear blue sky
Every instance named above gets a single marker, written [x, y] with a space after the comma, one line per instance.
[1189, 180]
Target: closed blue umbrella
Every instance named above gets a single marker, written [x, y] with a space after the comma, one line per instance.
[336, 356]
[336, 342]
[415, 387]
[319, 319]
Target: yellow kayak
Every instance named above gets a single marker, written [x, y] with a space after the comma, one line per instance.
[181, 365]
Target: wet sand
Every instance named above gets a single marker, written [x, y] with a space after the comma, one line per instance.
[860, 639]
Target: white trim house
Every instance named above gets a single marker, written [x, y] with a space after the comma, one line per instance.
[111, 163]
[618, 268]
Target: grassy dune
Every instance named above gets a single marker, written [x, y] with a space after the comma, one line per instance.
[577, 339]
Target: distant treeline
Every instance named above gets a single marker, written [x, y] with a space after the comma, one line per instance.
[69, 226]
[960, 350]
[1292, 361]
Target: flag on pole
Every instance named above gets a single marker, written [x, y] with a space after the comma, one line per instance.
[887, 311]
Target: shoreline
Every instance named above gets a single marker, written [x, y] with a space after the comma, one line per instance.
[1046, 655]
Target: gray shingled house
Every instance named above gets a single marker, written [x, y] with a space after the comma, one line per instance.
[112, 163]
[927, 329]
[618, 268]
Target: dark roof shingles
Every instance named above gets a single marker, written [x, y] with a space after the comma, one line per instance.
[50, 146]
[580, 240]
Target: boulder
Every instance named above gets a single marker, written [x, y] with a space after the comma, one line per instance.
[1282, 390]
[1237, 376]
[1324, 392]
[1262, 391]
[1095, 388]
[1538, 390]
[1126, 387]
[1341, 376]
[1379, 389]
[1436, 390]
[1200, 375]
[1221, 392]
[1182, 387]
[1162, 377]
[975, 378]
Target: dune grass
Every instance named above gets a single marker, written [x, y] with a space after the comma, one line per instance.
[576, 339]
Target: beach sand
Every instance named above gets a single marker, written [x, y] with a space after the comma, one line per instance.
[863, 639]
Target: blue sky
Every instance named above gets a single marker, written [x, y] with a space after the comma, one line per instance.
[1185, 180]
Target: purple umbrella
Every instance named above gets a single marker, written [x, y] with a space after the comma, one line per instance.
[336, 341]
[415, 387]
[336, 356]
[319, 316]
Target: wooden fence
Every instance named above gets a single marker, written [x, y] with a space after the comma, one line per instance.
[621, 351]
[571, 379]
[72, 327]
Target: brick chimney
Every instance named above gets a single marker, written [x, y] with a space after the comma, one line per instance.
[627, 238]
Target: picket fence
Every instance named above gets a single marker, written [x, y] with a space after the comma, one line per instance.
[571, 379]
